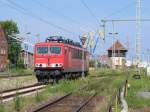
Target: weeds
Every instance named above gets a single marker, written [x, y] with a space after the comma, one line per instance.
[141, 85]
[17, 103]
[2, 109]
[38, 96]
[103, 86]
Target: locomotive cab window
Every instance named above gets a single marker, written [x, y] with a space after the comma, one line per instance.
[55, 50]
[42, 50]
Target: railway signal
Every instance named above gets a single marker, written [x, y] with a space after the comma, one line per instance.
[83, 40]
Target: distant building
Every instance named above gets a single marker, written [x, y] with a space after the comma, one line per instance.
[117, 53]
[3, 50]
[28, 58]
[104, 59]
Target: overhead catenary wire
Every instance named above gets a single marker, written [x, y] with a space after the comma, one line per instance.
[83, 28]
[58, 13]
[23, 11]
[132, 3]
[17, 39]
[95, 18]
[121, 9]
[90, 11]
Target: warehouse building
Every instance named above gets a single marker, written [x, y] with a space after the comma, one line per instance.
[3, 50]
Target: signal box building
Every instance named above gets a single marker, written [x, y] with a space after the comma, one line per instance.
[117, 53]
[3, 50]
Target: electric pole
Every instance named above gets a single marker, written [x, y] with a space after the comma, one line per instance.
[138, 32]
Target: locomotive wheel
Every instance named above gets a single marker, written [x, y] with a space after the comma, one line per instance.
[55, 79]
[64, 76]
[40, 79]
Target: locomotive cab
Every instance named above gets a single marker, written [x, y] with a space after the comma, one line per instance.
[58, 57]
[48, 60]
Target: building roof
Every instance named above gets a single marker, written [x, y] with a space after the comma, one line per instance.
[118, 46]
[27, 52]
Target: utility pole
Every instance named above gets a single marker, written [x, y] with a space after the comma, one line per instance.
[104, 21]
[114, 51]
[138, 32]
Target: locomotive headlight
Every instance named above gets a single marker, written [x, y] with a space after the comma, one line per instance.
[40, 65]
[56, 65]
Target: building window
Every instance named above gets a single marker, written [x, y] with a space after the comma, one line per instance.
[0, 51]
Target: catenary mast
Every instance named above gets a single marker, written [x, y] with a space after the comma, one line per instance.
[138, 32]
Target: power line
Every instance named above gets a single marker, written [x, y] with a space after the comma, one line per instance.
[90, 11]
[54, 11]
[120, 10]
[58, 13]
[24, 11]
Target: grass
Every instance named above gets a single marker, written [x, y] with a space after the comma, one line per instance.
[2, 108]
[65, 86]
[17, 72]
[112, 81]
[9, 83]
[138, 85]
[49, 93]
[104, 84]
[17, 103]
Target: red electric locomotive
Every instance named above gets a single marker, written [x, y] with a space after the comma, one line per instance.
[58, 57]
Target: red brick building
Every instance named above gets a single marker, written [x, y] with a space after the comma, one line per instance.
[3, 50]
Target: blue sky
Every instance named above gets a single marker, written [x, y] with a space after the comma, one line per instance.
[74, 17]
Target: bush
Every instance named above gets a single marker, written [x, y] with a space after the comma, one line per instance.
[20, 63]
[17, 103]
[92, 63]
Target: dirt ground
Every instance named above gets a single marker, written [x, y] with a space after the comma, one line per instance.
[140, 110]
[73, 102]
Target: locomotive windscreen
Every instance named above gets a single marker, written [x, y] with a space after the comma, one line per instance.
[55, 50]
[49, 50]
[42, 50]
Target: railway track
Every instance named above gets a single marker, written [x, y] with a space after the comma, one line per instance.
[8, 76]
[66, 103]
[74, 101]
[8, 95]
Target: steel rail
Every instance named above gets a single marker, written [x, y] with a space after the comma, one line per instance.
[19, 91]
[52, 103]
[24, 87]
[85, 103]
[7, 75]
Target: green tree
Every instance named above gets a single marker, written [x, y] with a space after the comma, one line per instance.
[14, 47]
[92, 63]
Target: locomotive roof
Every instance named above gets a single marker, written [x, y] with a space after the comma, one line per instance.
[57, 43]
